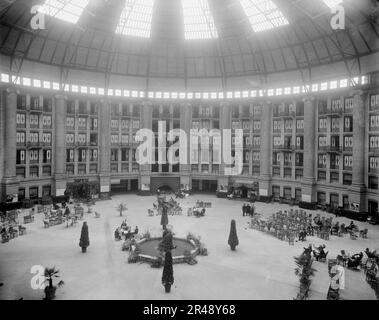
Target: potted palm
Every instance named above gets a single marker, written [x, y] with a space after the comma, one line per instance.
[121, 208]
[50, 289]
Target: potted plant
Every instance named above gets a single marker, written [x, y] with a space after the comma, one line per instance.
[50, 289]
[233, 239]
[304, 271]
[168, 273]
[84, 238]
[121, 208]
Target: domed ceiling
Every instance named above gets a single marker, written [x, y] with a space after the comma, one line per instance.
[189, 39]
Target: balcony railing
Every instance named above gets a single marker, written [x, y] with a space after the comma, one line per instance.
[285, 147]
[335, 112]
[374, 150]
[34, 145]
[287, 114]
[331, 149]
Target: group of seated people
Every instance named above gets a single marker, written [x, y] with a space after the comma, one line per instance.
[357, 260]
[12, 231]
[125, 231]
[248, 210]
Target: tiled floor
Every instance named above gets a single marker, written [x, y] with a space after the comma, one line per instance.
[262, 267]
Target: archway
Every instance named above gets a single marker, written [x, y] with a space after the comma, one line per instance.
[165, 189]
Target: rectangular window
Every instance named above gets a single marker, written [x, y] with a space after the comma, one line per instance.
[34, 171]
[46, 191]
[114, 154]
[69, 155]
[20, 156]
[348, 124]
[334, 177]
[82, 169]
[347, 179]
[70, 169]
[373, 182]
[374, 122]
[33, 193]
[82, 155]
[46, 171]
[287, 173]
[46, 156]
[20, 172]
[298, 174]
[321, 197]
[321, 175]
[93, 168]
[21, 102]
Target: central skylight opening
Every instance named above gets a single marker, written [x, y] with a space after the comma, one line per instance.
[66, 10]
[198, 20]
[332, 3]
[263, 14]
[136, 18]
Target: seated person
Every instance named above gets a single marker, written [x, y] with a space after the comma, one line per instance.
[310, 229]
[320, 253]
[351, 227]
[308, 251]
[124, 225]
[117, 234]
[355, 260]
[336, 227]
[302, 235]
[136, 230]
[370, 254]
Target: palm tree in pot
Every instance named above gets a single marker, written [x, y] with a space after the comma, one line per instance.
[50, 289]
[233, 239]
[121, 208]
[168, 273]
[84, 238]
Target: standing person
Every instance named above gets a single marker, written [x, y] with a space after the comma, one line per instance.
[252, 210]
[243, 210]
[337, 281]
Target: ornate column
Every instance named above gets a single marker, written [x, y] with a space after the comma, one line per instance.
[309, 181]
[60, 176]
[105, 149]
[358, 187]
[225, 123]
[266, 150]
[10, 182]
[186, 125]
[147, 123]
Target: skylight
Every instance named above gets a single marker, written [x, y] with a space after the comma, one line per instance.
[263, 14]
[136, 18]
[332, 3]
[198, 20]
[66, 10]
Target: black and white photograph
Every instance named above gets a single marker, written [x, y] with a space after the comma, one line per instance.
[207, 151]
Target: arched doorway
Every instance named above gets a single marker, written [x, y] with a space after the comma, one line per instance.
[165, 189]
